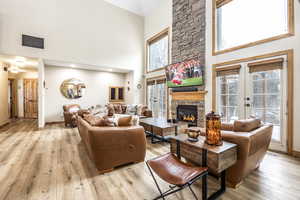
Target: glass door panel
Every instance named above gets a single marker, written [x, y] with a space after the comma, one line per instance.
[266, 99]
[228, 97]
[157, 99]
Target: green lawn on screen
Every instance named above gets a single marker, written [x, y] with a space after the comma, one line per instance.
[187, 82]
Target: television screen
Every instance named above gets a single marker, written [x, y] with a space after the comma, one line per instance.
[187, 73]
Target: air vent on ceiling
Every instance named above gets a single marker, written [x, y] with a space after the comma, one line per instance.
[31, 41]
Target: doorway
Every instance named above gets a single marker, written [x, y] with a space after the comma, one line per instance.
[31, 98]
[256, 89]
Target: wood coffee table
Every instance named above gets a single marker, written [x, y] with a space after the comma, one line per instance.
[219, 158]
[160, 130]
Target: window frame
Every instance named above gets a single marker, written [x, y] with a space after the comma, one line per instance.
[117, 99]
[290, 85]
[160, 35]
[215, 51]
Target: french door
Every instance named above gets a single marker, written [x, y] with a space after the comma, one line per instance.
[157, 97]
[257, 89]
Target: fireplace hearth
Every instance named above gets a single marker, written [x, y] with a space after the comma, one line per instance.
[187, 113]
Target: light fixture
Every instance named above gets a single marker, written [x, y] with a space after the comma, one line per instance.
[15, 69]
[72, 65]
[20, 61]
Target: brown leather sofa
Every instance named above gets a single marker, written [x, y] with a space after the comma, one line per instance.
[110, 147]
[70, 114]
[141, 110]
[252, 147]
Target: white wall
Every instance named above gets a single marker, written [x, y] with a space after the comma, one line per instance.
[97, 91]
[278, 45]
[90, 32]
[41, 92]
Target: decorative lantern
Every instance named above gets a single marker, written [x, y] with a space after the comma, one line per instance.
[213, 129]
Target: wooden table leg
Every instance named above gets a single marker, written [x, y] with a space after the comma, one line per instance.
[222, 189]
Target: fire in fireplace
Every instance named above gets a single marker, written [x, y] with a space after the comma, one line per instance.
[187, 113]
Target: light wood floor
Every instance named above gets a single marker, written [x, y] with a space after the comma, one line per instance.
[52, 164]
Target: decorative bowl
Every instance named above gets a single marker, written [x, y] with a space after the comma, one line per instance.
[193, 135]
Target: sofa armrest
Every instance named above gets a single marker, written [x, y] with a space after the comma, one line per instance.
[242, 140]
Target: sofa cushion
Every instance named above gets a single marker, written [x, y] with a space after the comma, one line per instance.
[125, 121]
[246, 125]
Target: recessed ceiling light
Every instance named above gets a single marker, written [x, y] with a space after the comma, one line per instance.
[72, 65]
[110, 70]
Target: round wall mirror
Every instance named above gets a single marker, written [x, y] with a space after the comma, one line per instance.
[72, 88]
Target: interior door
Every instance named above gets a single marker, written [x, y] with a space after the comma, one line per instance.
[266, 99]
[30, 98]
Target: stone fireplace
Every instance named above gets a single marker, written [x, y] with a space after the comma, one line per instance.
[199, 111]
[188, 42]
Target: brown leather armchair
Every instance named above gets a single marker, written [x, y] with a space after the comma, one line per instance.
[252, 147]
[70, 114]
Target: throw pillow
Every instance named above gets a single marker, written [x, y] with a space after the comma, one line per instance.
[98, 121]
[118, 108]
[125, 121]
[131, 110]
[83, 112]
[246, 125]
[124, 107]
[141, 109]
[108, 121]
[135, 120]
[110, 109]
[91, 119]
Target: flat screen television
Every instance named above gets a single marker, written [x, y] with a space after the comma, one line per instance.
[183, 74]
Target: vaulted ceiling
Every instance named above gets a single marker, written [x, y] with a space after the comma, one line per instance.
[140, 7]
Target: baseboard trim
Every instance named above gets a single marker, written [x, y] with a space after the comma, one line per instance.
[52, 123]
[296, 154]
[5, 124]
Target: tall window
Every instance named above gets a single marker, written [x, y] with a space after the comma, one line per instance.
[157, 97]
[242, 22]
[158, 51]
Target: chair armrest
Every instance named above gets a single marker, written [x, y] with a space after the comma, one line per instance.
[227, 126]
[241, 139]
[261, 138]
